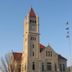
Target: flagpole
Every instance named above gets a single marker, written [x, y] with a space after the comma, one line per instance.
[69, 43]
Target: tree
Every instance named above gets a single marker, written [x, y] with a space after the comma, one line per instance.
[7, 63]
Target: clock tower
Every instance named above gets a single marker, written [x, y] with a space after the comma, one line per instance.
[31, 48]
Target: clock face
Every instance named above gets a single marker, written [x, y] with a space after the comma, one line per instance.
[32, 24]
[32, 27]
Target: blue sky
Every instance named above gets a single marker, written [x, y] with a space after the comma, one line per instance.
[53, 14]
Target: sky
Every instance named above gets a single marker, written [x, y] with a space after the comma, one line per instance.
[53, 15]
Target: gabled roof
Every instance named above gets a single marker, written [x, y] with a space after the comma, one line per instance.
[17, 56]
[50, 47]
[32, 13]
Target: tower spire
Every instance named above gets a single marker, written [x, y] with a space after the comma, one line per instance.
[32, 13]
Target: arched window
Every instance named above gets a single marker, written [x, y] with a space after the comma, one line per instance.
[33, 66]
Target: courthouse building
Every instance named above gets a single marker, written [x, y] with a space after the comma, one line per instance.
[37, 57]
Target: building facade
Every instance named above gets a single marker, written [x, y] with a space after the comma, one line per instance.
[37, 57]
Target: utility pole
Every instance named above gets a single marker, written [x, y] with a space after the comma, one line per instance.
[68, 37]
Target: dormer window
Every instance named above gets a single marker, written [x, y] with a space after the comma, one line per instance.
[48, 53]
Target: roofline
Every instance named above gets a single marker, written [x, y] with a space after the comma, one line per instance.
[62, 57]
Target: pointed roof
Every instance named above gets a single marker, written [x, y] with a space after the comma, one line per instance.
[32, 13]
[42, 47]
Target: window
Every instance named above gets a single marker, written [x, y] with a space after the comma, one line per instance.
[49, 67]
[32, 21]
[42, 66]
[33, 66]
[51, 53]
[55, 67]
[33, 38]
[48, 53]
[60, 67]
[33, 53]
[33, 46]
[63, 67]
